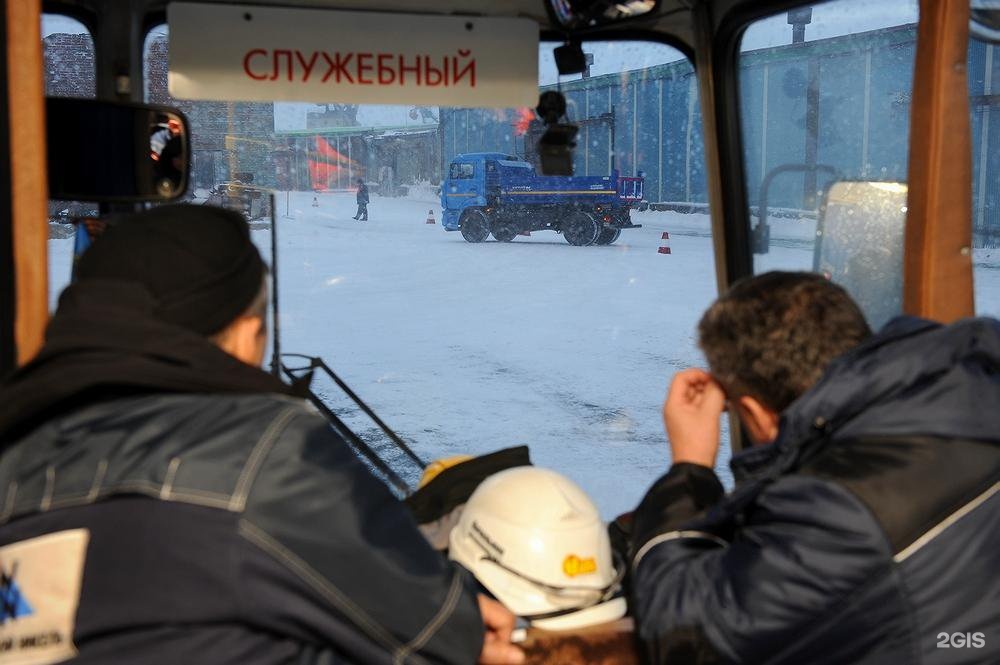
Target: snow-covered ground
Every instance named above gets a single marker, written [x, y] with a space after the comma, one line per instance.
[470, 348]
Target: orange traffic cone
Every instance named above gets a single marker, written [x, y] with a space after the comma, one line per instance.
[430, 217]
[664, 246]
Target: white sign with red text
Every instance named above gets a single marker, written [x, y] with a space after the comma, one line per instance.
[252, 53]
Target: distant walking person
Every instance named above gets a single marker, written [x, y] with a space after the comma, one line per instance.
[362, 201]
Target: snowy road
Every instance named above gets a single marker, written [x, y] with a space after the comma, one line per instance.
[469, 348]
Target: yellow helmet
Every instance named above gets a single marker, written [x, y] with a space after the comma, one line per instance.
[433, 469]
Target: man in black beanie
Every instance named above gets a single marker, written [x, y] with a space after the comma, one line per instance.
[164, 500]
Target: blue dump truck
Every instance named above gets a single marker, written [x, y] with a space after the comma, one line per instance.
[490, 192]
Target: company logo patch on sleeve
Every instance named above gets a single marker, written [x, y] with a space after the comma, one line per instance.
[40, 583]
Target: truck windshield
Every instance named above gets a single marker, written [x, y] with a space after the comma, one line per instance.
[461, 170]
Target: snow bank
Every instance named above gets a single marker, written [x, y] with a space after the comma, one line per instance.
[424, 192]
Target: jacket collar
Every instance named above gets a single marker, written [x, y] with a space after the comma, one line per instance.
[104, 342]
[914, 377]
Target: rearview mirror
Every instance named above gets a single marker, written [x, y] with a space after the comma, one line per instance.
[859, 245]
[115, 152]
[576, 14]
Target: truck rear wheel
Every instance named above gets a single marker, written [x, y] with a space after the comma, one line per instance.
[580, 228]
[504, 230]
[607, 235]
[474, 226]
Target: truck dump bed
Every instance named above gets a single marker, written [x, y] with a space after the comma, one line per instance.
[519, 185]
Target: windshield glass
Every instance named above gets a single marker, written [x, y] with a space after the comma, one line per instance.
[825, 97]
[68, 50]
[473, 303]
[984, 103]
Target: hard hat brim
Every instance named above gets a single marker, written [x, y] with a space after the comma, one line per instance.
[610, 610]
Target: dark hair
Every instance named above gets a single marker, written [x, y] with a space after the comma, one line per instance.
[772, 336]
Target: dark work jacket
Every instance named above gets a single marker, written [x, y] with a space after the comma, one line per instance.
[362, 193]
[226, 522]
[868, 532]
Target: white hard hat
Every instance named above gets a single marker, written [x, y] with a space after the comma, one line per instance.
[535, 540]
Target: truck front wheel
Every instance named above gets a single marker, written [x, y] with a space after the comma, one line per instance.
[474, 226]
[580, 228]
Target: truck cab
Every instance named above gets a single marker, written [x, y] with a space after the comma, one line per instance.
[471, 179]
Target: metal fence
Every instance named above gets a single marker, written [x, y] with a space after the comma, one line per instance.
[858, 122]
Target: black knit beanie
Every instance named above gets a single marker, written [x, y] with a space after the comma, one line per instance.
[197, 262]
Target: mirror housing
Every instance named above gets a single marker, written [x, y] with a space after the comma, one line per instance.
[570, 58]
[760, 235]
[116, 152]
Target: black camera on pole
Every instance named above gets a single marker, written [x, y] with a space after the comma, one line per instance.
[555, 147]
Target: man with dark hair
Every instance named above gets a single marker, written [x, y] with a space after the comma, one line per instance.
[769, 339]
[865, 522]
[163, 500]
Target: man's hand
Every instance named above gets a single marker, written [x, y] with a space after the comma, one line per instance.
[691, 415]
[497, 649]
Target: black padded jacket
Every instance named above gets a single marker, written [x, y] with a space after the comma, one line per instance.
[216, 518]
[869, 532]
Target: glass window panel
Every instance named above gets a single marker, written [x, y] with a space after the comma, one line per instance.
[468, 348]
[68, 52]
[825, 95]
[984, 103]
